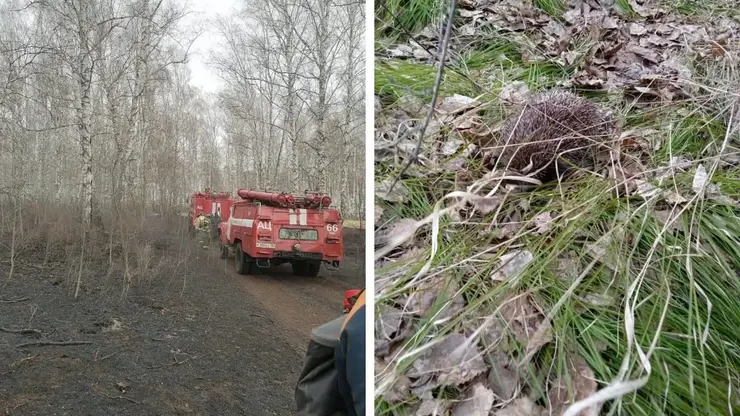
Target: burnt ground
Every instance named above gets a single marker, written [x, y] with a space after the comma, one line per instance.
[225, 344]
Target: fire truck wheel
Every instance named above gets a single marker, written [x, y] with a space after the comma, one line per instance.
[298, 267]
[312, 269]
[243, 265]
[305, 268]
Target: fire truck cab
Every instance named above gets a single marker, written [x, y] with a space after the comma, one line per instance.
[267, 229]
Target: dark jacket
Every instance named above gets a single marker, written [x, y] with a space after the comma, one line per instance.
[332, 382]
[350, 359]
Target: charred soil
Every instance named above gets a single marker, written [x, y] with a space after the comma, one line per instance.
[201, 341]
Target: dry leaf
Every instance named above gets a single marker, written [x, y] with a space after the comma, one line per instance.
[422, 54]
[700, 179]
[664, 217]
[637, 29]
[436, 290]
[485, 205]
[523, 406]
[503, 379]
[645, 189]
[455, 104]
[581, 381]
[399, 193]
[388, 324]
[610, 23]
[679, 162]
[463, 176]
[511, 264]
[451, 146]
[433, 407]
[478, 403]
[542, 222]
[573, 16]
[454, 360]
[674, 197]
[399, 391]
[540, 338]
[713, 192]
[402, 226]
[642, 10]
[400, 51]
[455, 165]
[469, 13]
[567, 268]
[508, 230]
[644, 53]
[514, 93]
[519, 317]
[630, 144]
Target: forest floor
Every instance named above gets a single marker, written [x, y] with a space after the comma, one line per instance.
[203, 342]
[614, 291]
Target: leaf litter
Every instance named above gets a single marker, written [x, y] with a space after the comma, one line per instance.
[646, 59]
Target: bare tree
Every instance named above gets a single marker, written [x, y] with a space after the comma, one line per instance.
[294, 95]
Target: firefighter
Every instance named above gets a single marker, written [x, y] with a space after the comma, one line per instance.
[202, 222]
[350, 358]
[332, 381]
[214, 224]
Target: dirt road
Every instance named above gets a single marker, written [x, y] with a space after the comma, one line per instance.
[296, 302]
[202, 341]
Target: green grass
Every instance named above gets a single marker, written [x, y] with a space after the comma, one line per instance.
[397, 78]
[395, 16]
[673, 273]
[554, 8]
[701, 8]
[624, 8]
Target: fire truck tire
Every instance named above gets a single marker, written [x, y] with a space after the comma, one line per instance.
[299, 267]
[243, 265]
[312, 269]
[306, 268]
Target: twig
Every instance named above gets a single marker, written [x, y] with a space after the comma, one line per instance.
[14, 300]
[445, 44]
[122, 397]
[170, 364]
[42, 343]
[109, 355]
[20, 331]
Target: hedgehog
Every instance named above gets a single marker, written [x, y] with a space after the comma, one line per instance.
[554, 132]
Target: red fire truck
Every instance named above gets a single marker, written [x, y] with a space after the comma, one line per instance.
[267, 229]
[208, 203]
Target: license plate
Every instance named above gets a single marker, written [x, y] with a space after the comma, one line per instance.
[265, 245]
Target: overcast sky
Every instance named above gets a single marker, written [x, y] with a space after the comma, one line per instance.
[203, 76]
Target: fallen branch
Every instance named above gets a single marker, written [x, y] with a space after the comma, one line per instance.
[20, 331]
[42, 343]
[14, 300]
